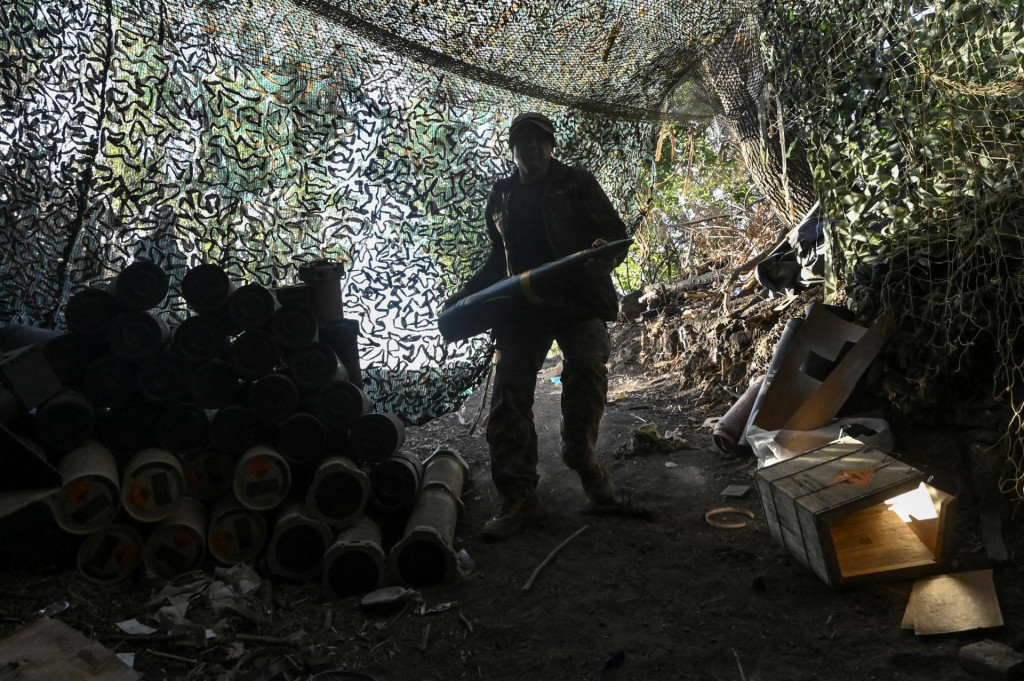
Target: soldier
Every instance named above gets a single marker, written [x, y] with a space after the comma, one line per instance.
[542, 212]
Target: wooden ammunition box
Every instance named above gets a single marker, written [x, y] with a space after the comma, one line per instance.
[838, 509]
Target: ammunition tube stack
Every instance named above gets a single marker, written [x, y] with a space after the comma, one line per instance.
[240, 433]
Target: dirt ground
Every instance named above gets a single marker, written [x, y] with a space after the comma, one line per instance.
[656, 594]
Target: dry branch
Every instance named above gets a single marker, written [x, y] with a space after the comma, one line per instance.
[554, 552]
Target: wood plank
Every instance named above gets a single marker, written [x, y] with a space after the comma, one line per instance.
[889, 481]
[875, 540]
[771, 516]
[800, 462]
[815, 547]
[48, 649]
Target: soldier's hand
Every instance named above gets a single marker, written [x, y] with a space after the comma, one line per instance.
[599, 266]
[451, 300]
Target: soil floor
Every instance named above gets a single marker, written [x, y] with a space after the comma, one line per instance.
[650, 594]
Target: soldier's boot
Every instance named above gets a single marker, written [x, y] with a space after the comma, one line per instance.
[516, 514]
[598, 485]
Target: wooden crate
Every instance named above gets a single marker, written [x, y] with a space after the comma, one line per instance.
[830, 508]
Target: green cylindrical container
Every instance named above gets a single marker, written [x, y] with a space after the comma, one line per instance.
[178, 544]
[110, 554]
[152, 485]
[251, 306]
[254, 353]
[136, 335]
[341, 404]
[140, 286]
[424, 556]
[89, 497]
[200, 338]
[298, 544]
[262, 478]
[395, 482]
[314, 366]
[208, 474]
[64, 421]
[183, 427]
[273, 398]
[91, 312]
[377, 436]
[355, 563]
[206, 287]
[339, 492]
[236, 534]
[302, 439]
[215, 384]
[293, 324]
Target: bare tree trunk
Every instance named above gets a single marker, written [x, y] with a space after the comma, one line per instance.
[734, 74]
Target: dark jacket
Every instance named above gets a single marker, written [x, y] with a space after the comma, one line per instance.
[576, 212]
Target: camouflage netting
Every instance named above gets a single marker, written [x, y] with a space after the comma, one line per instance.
[257, 135]
[914, 123]
[264, 133]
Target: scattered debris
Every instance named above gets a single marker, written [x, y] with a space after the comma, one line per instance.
[53, 609]
[464, 563]
[736, 655]
[465, 621]
[424, 609]
[389, 596]
[728, 518]
[554, 552]
[134, 626]
[646, 441]
[993, 659]
[735, 491]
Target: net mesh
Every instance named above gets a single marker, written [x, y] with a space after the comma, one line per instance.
[914, 123]
[259, 134]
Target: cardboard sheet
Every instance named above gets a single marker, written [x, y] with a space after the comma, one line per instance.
[47, 650]
[945, 604]
[819, 371]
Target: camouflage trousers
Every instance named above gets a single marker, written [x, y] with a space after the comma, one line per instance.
[511, 434]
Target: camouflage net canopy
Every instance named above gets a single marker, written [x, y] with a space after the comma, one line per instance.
[913, 119]
[262, 134]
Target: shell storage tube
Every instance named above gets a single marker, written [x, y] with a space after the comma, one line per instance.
[377, 436]
[355, 563]
[178, 544]
[110, 554]
[297, 544]
[395, 482]
[262, 478]
[152, 485]
[90, 496]
[339, 492]
[424, 556]
[235, 534]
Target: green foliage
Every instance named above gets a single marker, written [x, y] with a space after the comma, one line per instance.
[700, 205]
